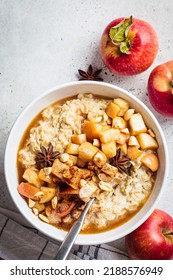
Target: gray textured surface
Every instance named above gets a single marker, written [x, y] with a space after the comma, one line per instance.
[43, 43]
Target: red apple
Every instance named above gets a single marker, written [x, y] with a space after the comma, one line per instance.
[160, 88]
[128, 46]
[153, 240]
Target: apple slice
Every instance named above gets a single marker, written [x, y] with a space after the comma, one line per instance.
[64, 208]
[28, 190]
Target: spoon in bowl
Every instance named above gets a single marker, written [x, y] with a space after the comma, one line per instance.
[71, 236]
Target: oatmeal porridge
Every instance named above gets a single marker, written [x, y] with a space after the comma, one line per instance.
[82, 147]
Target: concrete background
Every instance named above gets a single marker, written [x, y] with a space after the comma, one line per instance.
[43, 44]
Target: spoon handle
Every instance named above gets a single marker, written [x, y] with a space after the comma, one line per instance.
[72, 234]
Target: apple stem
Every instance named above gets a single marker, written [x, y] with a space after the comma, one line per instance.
[168, 233]
[119, 35]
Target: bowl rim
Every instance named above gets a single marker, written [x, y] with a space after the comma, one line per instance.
[102, 234]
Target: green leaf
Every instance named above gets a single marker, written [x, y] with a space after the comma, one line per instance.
[119, 32]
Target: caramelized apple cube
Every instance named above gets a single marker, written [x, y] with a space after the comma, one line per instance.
[123, 138]
[133, 152]
[48, 194]
[58, 168]
[44, 175]
[128, 114]
[112, 110]
[109, 135]
[119, 123]
[109, 149]
[151, 161]
[146, 141]
[76, 175]
[72, 149]
[79, 139]
[87, 151]
[137, 124]
[123, 148]
[91, 129]
[133, 141]
[122, 104]
[32, 177]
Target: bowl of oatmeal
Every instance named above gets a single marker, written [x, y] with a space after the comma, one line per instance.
[82, 140]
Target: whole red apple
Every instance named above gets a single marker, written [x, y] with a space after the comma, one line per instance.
[160, 88]
[153, 240]
[128, 46]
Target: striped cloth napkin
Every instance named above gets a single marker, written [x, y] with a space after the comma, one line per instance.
[19, 241]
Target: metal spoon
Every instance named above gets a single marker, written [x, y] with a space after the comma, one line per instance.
[72, 234]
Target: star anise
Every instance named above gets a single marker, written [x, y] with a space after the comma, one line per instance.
[90, 74]
[45, 157]
[121, 162]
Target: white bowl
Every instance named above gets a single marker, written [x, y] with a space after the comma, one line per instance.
[46, 99]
